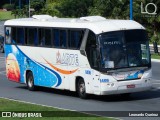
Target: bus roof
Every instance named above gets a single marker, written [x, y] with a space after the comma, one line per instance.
[97, 24]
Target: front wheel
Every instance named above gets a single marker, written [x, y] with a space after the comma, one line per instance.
[30, 81]
[81, 89]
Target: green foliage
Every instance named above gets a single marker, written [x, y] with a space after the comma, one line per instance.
[155, 56]
[37, 5]
[51, 8]
[52, 113]
[151, 22]
[8, 6]
[111, 9]
[20, 12]
[5, 15]
[74, 8]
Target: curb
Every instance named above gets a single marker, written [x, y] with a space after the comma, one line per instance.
[155, 60]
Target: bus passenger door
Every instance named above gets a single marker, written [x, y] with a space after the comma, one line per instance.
[93, 59]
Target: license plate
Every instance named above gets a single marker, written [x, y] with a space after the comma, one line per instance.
[131, 86]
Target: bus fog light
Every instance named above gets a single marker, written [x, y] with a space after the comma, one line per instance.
[112, 84]
[108, 84]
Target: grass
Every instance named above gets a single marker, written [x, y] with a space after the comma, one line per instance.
[14, 106]
[5, 15]
[155, 56]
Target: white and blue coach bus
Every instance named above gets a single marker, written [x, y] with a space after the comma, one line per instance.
[90, 55]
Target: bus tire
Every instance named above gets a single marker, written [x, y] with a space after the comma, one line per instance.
[30, 81]
[81, 89]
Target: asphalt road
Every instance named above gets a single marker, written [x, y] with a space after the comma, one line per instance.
[144, 101]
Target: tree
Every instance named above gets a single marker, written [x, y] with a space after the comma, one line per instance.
[37, 5]
[110, 9]
[151, 22]
[74, 8]
[24, 11]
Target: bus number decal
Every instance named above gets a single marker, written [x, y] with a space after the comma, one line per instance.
[88, 72]
[104, 80]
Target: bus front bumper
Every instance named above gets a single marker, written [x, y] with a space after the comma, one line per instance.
[126, 87]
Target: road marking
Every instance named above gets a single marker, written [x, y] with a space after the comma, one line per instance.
[57, 107]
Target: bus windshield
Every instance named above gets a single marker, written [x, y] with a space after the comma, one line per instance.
[124, 49]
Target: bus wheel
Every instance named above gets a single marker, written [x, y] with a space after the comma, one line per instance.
[30, 81]
[81, 89]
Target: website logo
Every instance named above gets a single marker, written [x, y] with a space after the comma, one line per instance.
[6, 114]
[145, 9]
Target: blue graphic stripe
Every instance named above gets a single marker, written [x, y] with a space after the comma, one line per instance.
[57, 75]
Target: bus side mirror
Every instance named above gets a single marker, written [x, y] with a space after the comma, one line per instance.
[155, 47]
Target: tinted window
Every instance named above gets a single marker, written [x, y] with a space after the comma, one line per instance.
[30, 36]
[41, 35]
[56, 38]
[14, 31]
[48, 37]
[75, 39]
[59, 38]
[63, 38]
[20, 36]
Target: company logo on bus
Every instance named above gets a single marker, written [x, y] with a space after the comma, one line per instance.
[67, 59]
[112, 43]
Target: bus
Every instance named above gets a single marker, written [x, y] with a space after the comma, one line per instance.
[88, 55]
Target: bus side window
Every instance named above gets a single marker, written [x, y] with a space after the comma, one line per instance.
[20, 36]
[41, 35]
[14, 32]
[56, 36]
[48, 37]
[75, 39]
[35, 37]
[63, 38]
[30, 36]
